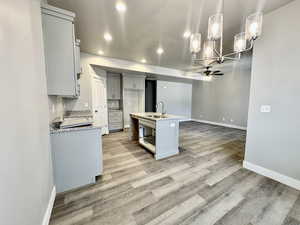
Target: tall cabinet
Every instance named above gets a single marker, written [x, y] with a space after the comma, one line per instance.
[62, 53]
[133, 95]
[114, 101]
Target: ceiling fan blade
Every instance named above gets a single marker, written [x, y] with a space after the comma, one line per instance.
[217, 71]
[218, 74]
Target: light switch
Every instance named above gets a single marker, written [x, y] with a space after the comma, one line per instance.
[265, 108]
[172, 125]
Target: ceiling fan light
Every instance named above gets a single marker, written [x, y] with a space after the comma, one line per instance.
[195, 43]
[240, 42]
[215, 26]
[254, 25]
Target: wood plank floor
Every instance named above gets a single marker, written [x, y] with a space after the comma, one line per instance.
[204, 185]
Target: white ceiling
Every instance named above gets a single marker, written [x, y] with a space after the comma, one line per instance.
[148, 24]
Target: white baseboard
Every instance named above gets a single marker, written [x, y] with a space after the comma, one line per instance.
[185, 120]
[220, 124]
[273, 175]
[49, 207]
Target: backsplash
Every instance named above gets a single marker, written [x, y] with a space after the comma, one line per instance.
[56, 107]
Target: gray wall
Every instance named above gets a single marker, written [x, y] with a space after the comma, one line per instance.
[224, 99]
[273, 138]
[25, 159]
[176, 96]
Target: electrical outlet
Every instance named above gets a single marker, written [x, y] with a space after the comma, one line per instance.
[265, 108]
[223, 119]
[201, 116]
[86, 105]
[231, 120]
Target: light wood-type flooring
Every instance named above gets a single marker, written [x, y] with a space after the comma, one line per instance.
[204, 185]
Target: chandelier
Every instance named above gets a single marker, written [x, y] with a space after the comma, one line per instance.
[213, 46]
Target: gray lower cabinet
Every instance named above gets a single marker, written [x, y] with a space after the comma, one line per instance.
[115, 120]
[62, 53]
[77, 157]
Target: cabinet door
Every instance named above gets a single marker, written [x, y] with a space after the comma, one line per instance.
[134, 83]
[114, 87]
[59, 45]
[109, 88]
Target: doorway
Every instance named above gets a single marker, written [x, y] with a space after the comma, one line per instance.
[150, 95]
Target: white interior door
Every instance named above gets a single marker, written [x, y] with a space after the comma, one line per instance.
[100, 103]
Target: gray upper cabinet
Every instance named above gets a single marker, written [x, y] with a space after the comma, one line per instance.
[62, 53]
[134, 82]
[113, 86]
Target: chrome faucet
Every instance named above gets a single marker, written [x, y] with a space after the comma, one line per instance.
[163, 111]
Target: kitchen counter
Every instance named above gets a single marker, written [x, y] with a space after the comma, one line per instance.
[54, 131]
[77, 156]
[155, 116]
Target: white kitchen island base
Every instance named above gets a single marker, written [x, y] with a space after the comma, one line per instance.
[158, 134]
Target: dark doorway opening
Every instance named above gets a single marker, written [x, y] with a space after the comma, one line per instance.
[150, 96]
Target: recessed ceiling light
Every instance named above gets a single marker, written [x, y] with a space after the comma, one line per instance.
[159, 51]
[100, 52]
[187, 34]
[143, 60]
[121, 7]
[107, 36]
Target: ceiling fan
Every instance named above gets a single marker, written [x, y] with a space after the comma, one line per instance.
[209, 72]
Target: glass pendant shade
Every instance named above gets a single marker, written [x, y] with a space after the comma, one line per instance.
[254, 25]
[240, 42]
[195, 43]
[208, 49]
[215, 26]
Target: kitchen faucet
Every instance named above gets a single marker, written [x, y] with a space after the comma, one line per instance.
[163, 111]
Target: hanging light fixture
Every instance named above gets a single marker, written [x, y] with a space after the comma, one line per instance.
[195, 43]
[254, 26]
[242, 42]
[215, 27]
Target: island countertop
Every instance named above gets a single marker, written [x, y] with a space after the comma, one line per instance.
[152, 116]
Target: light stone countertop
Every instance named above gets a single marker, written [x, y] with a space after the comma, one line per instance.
[147, 115]
[92, 127]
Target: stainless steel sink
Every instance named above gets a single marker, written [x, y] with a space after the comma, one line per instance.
[157, 116]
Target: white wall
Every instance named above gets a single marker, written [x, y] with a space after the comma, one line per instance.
[225, 99]
[273, 138]
[112, 63]
[176, 96]
[25, 158]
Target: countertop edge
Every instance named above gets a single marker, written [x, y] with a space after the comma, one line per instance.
[56, 131]
[173, 117]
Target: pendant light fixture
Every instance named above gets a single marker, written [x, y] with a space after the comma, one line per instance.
[242, 42]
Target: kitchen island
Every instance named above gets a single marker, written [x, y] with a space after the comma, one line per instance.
[158, 133]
